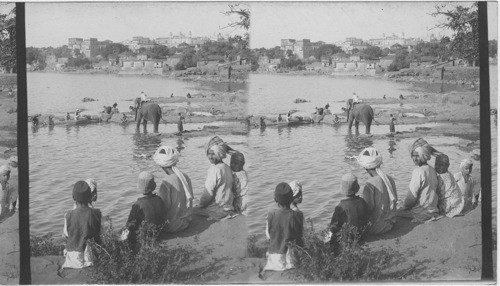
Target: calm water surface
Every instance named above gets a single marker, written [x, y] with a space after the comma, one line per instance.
[58, 93]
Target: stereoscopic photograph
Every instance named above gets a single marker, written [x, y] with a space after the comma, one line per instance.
[253, 142]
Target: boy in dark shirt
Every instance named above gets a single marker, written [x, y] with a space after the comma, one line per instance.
[353, 210]
[149, 208]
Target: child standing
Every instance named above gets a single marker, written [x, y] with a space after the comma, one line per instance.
[80, 225]
[470, 190]
[450, 200]
[283, 226]
[6, 202]
[180, 127]
[240, 183]
[297, 194]
[392, 127]
[353, 210]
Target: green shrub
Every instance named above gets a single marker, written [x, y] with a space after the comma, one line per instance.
[44, 245]
[119, 262]
[319, 262]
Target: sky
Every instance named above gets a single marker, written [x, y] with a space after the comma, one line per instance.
[331, 22]
[51, 24]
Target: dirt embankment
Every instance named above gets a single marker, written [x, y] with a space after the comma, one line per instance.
[9, 224]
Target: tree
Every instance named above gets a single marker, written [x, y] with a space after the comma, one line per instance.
[275, 53]
[158, 52]
[326, 51]
[463, 21]
[188, 59]
[35, 57]
[493, 48]
[401, 61]
[8, 40]
[113, 49]
[372, 53]
[242, 22]
[289, 53]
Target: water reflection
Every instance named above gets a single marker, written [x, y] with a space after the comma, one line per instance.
[180, 144]
[355, 144]
[391, 147]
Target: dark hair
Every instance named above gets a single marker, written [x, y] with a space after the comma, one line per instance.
[179, 113]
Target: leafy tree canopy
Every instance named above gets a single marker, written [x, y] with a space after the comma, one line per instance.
[463, 21]
[8, 39]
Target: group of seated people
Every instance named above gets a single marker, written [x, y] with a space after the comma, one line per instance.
[433, 193]
[170, 208]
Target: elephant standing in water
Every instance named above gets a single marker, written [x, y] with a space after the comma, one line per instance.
[149, 111]
[359, 112]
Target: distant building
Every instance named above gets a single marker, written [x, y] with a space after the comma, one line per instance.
[75, 43]
[388, 41]
[90, 47]
[302, 48]
[386, 61]
[176, 40]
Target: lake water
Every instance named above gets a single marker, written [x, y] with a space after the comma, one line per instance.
[314, 154]
[58, 93]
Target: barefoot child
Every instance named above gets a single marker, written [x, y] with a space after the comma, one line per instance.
[450, 200]
[283, 226]
[240, 183]
[80, 225]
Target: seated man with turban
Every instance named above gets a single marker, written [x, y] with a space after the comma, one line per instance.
[379, 193]
[297, 194]
[470, 189]
[148, 208]
[421, 200]
[176, 190]
[216, 201]
[283, 226]
[353, 210]
[80, 225]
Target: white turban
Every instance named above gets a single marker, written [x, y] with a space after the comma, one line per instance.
[4, 170]
[168, 159]
[296, 187]
[219, 151]
[466, 163]
[370, 158]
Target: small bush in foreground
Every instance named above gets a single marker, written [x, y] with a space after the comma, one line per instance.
[253, 250]
[353, 262]
[44, 245]
[118, 262]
